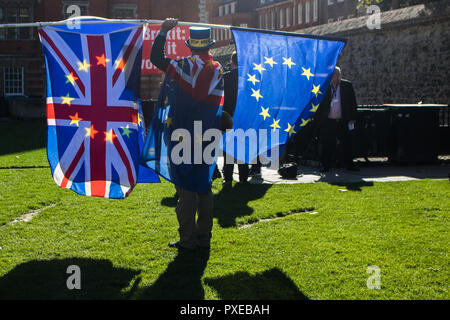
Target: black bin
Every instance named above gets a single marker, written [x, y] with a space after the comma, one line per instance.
[414, 133]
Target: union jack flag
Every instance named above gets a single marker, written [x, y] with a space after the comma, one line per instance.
[95, 122]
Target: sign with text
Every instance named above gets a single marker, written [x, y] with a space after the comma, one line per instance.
[175, 46]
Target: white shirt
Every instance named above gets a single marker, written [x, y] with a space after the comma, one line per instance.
[335, 104]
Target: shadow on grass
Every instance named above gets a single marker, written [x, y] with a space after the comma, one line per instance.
[20, 136]
[46, 280]
[353, 186]
[231, 202]
[181, 280]
[272, 284]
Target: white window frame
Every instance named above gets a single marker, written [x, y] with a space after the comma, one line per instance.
[233, 7]
[330, 2]
[307, 12]
[227, 10]
[220, 11]
[267, 20]
[261, 24]
[17, 71]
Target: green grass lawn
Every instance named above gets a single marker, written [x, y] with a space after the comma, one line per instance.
[121, 245]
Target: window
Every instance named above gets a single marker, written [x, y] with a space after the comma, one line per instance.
[315, 10]
[288, 17]
[227, 9]
[125, 11]
[300, 13]
[330, 20]
[340, 18]
[340, 0]
[220, 11]
[267, 20]
[233, 7]
[17, 15]
[307, 12]
[281, 19]
[330, 2]
[351, 16]
[261, 21]
[13, 81]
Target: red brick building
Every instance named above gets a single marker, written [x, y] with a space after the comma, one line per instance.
[22, 66]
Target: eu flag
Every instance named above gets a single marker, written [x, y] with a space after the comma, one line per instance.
[282, 80]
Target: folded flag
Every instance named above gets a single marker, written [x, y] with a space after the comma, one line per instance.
[95, 124]
[282, 80]
[189, 104]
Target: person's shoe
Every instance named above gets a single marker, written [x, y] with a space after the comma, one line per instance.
[178, 246]
[254, 172]
[324, 169]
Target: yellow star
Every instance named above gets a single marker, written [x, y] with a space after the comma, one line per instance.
[315, 90]
[275, 125]
[83, 66]
[307, 73]
[314, 108]
[120, 64]
[168, 121]
[270, 61]
[265, 113]
[139, 120]
[304, 122]
[290, 129]
[182, 63]
[256, 94]
[252, 78]
[193, 59]
[71, 78]
[288, 62]
[67, 100]
[102, 60]
[75, 120]
[258, 67]
[109, 136]
[166, 101]
[90, 132]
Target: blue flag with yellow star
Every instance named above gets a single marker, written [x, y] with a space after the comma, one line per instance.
[282, 80]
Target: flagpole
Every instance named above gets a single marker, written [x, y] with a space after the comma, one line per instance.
[78, 21]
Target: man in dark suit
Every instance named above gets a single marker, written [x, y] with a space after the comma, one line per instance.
[230, 98]
[337, 117]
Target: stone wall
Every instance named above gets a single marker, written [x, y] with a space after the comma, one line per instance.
[406, 61]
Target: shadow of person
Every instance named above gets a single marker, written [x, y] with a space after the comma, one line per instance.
[181, 280]
[47, 280]
[353, 186]
[231, 203]
[272, 284]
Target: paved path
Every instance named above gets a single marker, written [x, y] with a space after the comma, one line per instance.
[368, 173]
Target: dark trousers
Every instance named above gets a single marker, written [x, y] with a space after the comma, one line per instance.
[228, 172]
[335, 133]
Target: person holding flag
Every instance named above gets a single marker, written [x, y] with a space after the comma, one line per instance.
[191, 93]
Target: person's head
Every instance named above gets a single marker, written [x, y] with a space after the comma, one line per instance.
[233, 60]
[336, 78]
[199, 40]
